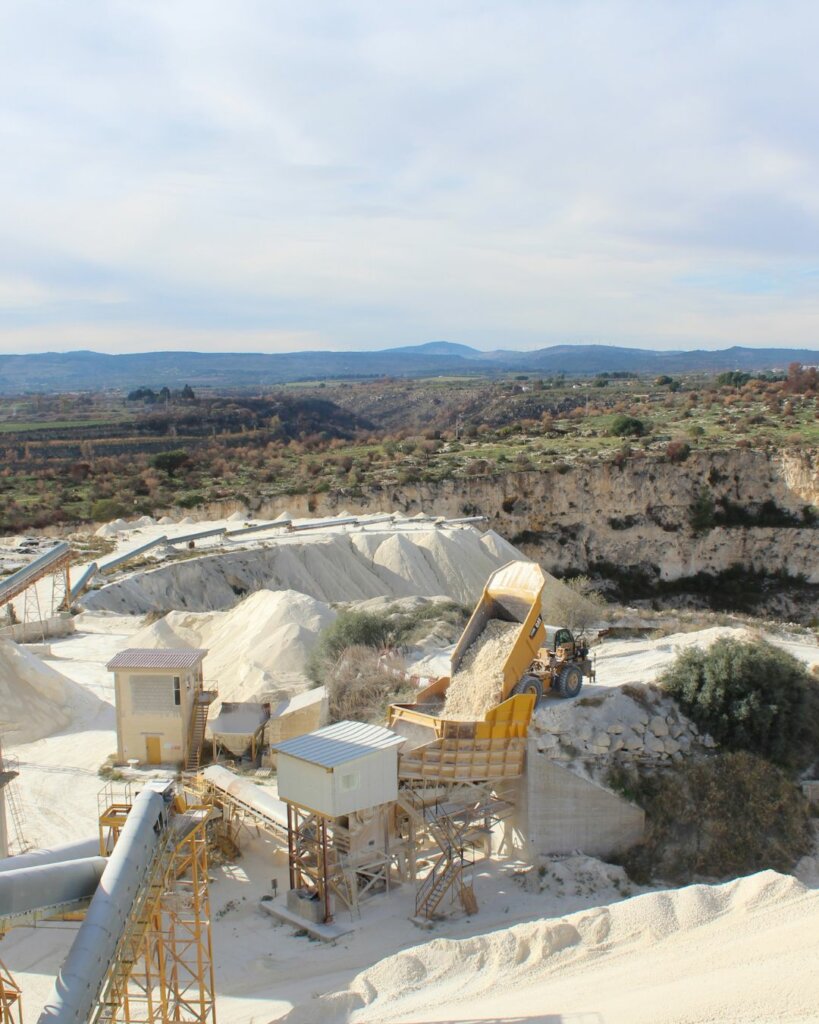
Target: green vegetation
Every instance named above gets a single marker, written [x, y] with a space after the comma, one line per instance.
[386, 631]
[627, 426]
[750, 696]
[59, 454]
[722, 816]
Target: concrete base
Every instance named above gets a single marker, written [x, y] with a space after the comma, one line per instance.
[300, 904]
[325, 932]
[561, 812]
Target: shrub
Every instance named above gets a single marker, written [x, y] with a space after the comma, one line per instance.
[576, 605]
[701, 513]
[363, 683]
[350, 629]
[749, 696]
[721, 816]
[107, 508]
[677, 451]
[627, 426]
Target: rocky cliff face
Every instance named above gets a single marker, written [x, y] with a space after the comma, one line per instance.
[633, 518]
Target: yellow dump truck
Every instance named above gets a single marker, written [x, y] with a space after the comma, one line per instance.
[541, 655]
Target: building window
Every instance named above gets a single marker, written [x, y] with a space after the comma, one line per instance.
[177, 693]
[350, 780]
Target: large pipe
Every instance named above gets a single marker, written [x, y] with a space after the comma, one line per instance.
[257, 528]
[80, 980]
[55, 855]
[88, 574]
[112, 563]
[199, 535]
[247, 793]
[30, 893]
[35, 570]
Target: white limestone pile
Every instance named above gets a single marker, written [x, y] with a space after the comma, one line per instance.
[330, 567]
[744, 951]
[477, 685]
[638, 723]
[35, 700]
[257, 650]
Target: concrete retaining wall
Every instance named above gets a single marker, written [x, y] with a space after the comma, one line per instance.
[562, 812]
[31, 632]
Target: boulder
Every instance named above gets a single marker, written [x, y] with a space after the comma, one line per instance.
[659, 726]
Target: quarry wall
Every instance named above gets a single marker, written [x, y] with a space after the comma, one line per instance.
[635, 515]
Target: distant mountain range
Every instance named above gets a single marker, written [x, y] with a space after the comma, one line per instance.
[84, 371]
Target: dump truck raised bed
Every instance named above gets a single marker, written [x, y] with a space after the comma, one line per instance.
[540, 656]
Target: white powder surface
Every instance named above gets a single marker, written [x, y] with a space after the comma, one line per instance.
[745, 951]
[478, 684]
[35, 700]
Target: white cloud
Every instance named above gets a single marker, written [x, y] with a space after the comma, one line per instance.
[362, 174]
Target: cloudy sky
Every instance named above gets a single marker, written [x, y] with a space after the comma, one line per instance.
[269, 176]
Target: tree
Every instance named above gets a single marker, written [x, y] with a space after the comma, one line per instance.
[170, 462]
[627, 426]
[576, 604]
[749, 696]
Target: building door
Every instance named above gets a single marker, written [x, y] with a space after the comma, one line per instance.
[153, 748]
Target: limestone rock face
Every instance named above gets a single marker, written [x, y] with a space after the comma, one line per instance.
[634, 515]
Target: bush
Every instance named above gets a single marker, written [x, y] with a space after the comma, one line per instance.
[576, 605]
[721, 816]
[350, 629]
[627, 426]
[105, 509]
[677, 451]
[749, 696]
[363, 683]
[701, 513]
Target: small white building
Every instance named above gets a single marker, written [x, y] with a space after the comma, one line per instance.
[340, 769]
[157, 691]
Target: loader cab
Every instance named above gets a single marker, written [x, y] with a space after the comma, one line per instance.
[557, 637]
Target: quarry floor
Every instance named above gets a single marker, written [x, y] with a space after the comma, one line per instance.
[708, 954]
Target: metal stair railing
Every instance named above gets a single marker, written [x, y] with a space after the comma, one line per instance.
[199, 722]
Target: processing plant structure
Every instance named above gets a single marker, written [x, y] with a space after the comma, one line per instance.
[360, 808]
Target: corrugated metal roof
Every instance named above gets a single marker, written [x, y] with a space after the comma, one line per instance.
[157, 657]
[335, 744]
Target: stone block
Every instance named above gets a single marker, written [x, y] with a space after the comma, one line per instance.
[659, 726]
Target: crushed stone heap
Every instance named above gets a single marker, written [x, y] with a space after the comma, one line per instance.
[477, 685]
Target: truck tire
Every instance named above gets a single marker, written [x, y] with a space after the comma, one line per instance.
[569, 681]
[529, 684]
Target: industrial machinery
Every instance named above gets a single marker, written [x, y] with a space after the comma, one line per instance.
[142, 954]
[540, 655]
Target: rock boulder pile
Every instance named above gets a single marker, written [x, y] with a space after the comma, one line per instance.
[629, 723]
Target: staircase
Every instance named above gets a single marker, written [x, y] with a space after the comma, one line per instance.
[448, 869]
[457, 829]
[196, 731]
